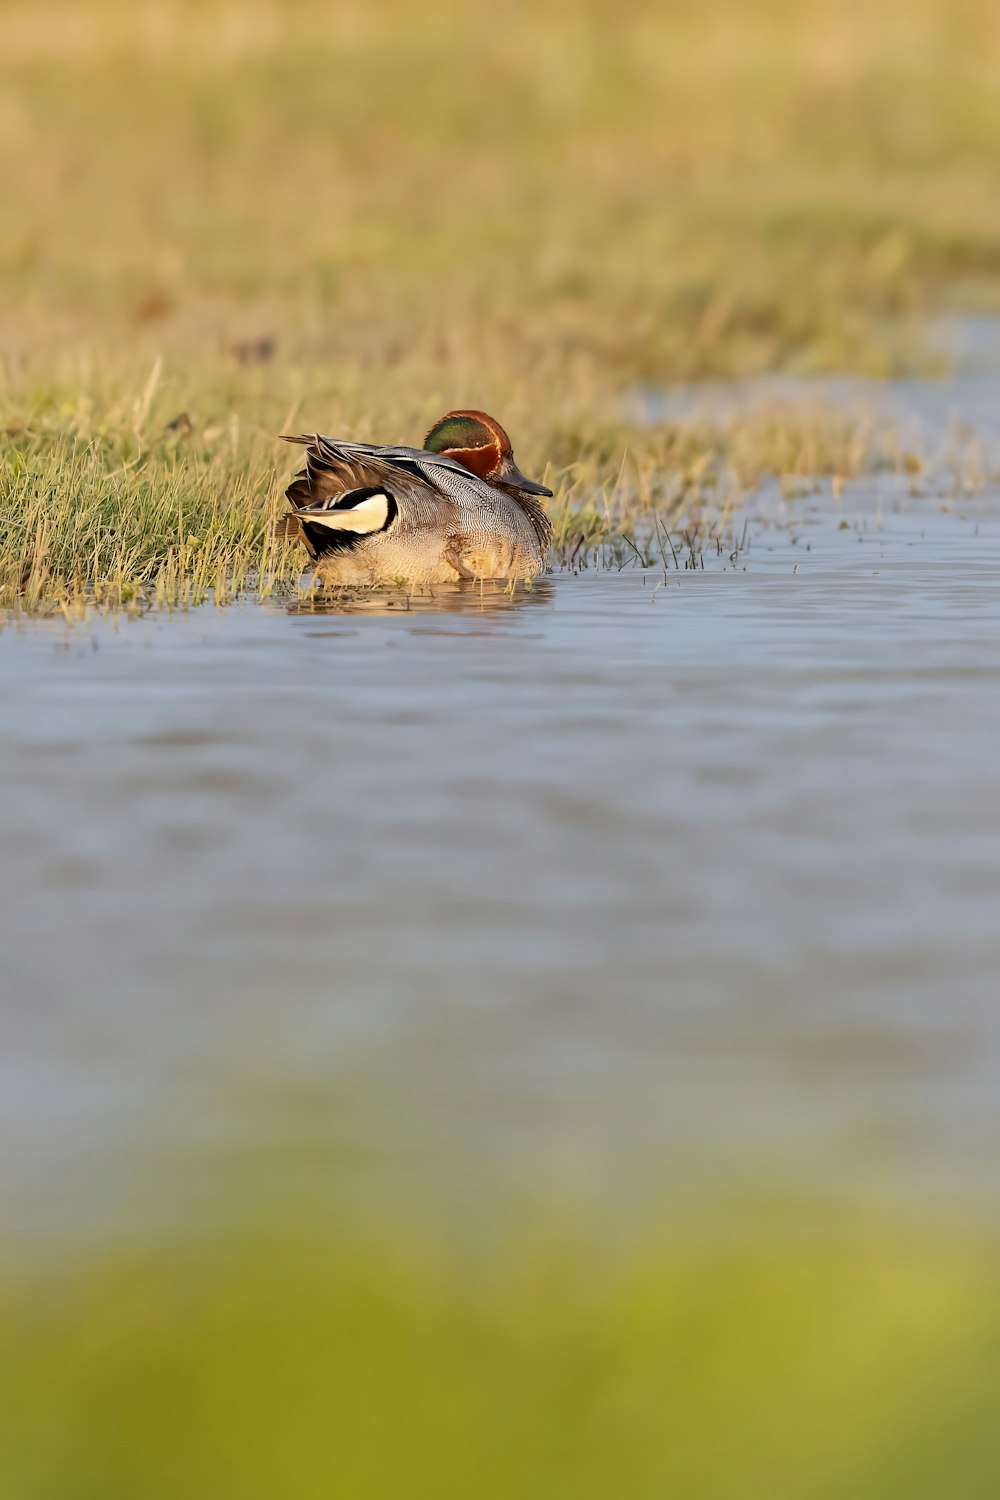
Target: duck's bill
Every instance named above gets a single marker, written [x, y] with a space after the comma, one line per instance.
[511, 476]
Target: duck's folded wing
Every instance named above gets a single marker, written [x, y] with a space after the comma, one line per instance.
[335, 471]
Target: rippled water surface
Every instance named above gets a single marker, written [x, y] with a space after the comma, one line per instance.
[630, 878]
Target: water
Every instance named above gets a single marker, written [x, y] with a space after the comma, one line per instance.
[931, 416]
[635, 883]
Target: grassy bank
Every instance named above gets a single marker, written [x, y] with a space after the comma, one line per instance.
[355, 217]
[862, 1364]
[162, 490]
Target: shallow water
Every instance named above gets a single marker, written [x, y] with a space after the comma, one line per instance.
[930, 416]
[634, 882]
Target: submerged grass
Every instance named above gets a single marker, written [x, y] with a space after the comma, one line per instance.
[863, 1363]
[353, 217]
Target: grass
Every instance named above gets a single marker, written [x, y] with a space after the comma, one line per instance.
[259, 1364]
[353, 217]
[120, 498]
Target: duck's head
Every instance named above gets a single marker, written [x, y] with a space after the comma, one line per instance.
[480, 444]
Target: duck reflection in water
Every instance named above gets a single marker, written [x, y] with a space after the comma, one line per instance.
[479, 597]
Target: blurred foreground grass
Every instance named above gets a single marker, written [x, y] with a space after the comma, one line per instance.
[353, 217]
[859, 1364]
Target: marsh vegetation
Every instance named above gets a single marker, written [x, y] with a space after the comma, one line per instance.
[212, 234]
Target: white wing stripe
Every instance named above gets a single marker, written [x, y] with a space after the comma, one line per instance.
[370, 515]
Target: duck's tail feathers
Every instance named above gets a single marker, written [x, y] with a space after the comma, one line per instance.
[287, 528]
[300, 492]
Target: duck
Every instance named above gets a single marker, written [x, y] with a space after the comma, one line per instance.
[457, 508]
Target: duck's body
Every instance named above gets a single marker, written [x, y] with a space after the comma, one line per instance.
[457, 508]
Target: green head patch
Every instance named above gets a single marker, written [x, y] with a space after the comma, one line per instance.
[459, 430]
